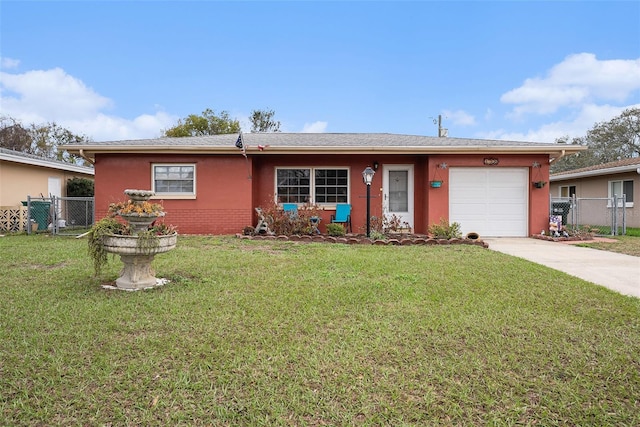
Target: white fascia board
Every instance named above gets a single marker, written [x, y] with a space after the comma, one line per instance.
[596, 172]
[47, 164]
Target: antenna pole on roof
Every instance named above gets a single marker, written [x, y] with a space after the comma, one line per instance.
[442, 132]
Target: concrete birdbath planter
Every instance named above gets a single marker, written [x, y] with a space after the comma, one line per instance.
[137, 242]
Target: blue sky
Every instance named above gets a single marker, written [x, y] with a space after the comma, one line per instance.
[530, 71]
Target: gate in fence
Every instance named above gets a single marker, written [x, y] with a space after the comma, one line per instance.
[58, 215]
[604, 216]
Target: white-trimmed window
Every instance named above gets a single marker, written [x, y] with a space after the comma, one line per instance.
[567, 191]
[321, 185]
[618, 188]
[173, 179]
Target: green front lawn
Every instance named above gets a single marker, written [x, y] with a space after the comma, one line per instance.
[629, 244]
[281, 333]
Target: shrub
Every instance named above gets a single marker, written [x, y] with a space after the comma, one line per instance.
[377, 235]
[335, 229]
[80, 187]
[394, 223]
[287, 223]
[444, 230]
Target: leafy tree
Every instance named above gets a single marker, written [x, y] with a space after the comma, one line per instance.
[13, 135]
[619, 138]
[48, 140]
[262, 121]
[207, 124]
[44, 140]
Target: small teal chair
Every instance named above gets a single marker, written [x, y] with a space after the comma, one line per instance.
[343, 215]
[291, 209]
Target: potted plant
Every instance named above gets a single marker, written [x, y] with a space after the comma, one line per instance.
[437, 181]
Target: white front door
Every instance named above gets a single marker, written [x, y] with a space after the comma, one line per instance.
[397, 192]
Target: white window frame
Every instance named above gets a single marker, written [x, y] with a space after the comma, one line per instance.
[312, 182]
[568, 190]
[173, 195]
[611, 193]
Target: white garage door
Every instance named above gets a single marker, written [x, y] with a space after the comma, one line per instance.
[490, 201]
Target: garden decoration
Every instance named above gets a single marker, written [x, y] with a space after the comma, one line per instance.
[137, 242]
[437, 181]
[538, 183]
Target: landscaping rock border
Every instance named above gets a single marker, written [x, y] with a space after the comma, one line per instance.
[562, 239]
[404, 240]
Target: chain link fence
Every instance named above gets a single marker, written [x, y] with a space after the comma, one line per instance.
[603, 216]
[72, 215]
[56, 215]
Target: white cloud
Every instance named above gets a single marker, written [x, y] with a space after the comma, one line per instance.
[103, 127]
[41, 96]
[578, 80]
[50, 94]
[587, 117]
[459, 117]
[8, 63]
[315, 127]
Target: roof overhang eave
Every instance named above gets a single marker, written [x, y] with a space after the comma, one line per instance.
[69, 167]
[552, 150]
[595, 172]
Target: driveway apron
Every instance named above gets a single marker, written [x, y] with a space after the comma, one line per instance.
[618, 272]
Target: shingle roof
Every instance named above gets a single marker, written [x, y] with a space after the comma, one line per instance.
[31, 159]
[619, 166]
[279, 139]
[321, 143]
[604, 166]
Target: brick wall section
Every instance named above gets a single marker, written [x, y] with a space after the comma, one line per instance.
[209, 221]
[223, 202]
[229, 187]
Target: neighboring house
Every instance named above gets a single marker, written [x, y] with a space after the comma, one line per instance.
[207, 186]
[603, 181]
[23, 175]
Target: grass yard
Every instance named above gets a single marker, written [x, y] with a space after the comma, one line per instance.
[254, 333]
[629, 244]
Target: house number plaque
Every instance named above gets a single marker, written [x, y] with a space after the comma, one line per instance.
[491, 161]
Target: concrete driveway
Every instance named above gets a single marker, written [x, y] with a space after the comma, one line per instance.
[615, 271]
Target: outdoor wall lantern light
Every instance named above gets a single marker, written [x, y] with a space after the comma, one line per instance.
[367, 177]
[375, 166]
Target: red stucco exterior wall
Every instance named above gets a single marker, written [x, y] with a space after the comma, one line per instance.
[228, 188]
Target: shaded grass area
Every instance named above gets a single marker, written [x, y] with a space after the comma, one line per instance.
[283, 333]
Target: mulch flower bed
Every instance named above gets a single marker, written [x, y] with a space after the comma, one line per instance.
[399, 240]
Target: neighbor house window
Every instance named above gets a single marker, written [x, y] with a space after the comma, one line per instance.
[174, 179]
[567, 190]
[619, 188]
[314, 185]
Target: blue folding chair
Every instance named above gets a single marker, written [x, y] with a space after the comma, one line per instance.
[343, 215]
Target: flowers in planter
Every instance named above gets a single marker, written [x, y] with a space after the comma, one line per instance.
[109, 226]
[142, 208]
